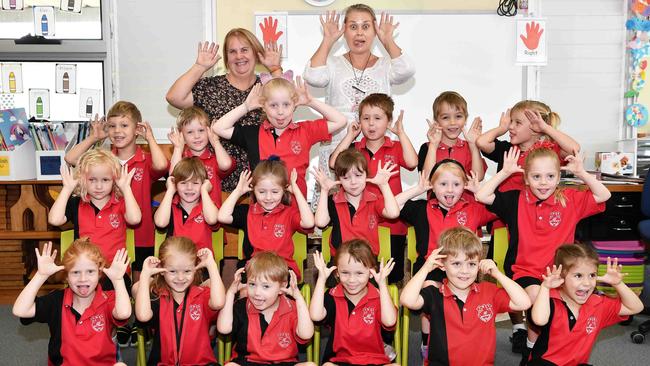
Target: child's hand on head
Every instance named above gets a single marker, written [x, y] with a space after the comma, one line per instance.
[553, 278]
[472, 185]
[398, 126]
[575, 163]
[171, 184]
[324, 181]
[323, 271]
[384, 173]
[384, 271]
[124, 181]
[332, 29]
[504, 121]
[118, 268]
[45, 260]
[537, 123]
[176, 138]
[293, 181]
[206, 186]
[385, 28]
[474, 131]
[304, 97]
[292, 290]
[67, 177]
[614, 274]
[236, 285]
[434, 134]
[271, 58]
[354, 129]
[244, 183]
[206, 259]
[213, 137]
[208, 55]
[98, 127]
[144, 129]
[151, 266]
[487, 266]
[510, 159]
[423, 182]
[434, 260]
[253, 100]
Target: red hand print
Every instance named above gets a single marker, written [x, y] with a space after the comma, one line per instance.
[533, 34]
[269, 29]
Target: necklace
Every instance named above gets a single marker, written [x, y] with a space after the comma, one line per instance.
[359, 93]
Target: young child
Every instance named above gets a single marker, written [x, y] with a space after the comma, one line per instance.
[122, 126]
[568, 311]
[169, 300]
[82, 316]
[355, 310]
[354, 211]
[449, 118]
[271, 219]
[279, 134]
[187, 208]
[103, 203]
[542, 216]
[462, 312]
[375, 115]
[268, 325]
[194, 139]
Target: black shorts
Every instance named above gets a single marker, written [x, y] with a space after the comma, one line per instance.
[528, 281]
[141, 253]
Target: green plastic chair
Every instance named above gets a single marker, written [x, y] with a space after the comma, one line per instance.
[412, 257]
[67, 238]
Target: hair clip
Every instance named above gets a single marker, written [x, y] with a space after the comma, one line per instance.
[265, 76]
[444, 161]
[273, 158]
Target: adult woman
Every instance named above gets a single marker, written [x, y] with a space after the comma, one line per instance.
[217, 95]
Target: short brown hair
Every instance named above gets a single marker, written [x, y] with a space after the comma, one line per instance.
[267, 265]
[94, 157]
[187, 168]
[179, 245]
[460, 240]
[360, 8]
[359, 250]
[451, 98]
[190, 114]
[276, 168]
[379, 100]
[245, 36]
[80, 247]
[124, 108]
[568, 255]
[348, 159]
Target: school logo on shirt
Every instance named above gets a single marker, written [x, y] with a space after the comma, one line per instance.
[461, 217]
[195, 311]
[139, 173]
[485, 312]
[199, 219]
[372, 221]
[209, 171]
[278, 230]
[369, 315]
[555, 218]
[114, 219]
[284, 339]
[592, 323]
[98, 322]
[296, 147]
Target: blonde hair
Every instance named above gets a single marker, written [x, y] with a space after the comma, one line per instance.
[451, 98]
[267, 265]
[96, 157]
[363, 8]
[276, 84]
[245, 36]
[348, 159]
[81, 247]
[544, 152]
[551, 118]
[176, 245]
[276, 169]
[568, 255]
[124, 108]
[359, 250]
[190, 114]
[187, 168]
[447, 165]
[460, 240]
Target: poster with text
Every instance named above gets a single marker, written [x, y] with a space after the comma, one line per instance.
[12, 78]
[39, 103]
[12, 5]
[73, 6]
[531, 42]
[66, 78]
[89, 102]
[272, 27]
[44, 21]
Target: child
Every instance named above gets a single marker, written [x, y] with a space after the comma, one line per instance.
[354, 211]
[103, 204]
[462, 311]
[568, 311]
[82, 316]
[267, 325]
[122, 126]
[450, 115]
[542, 216]
[355, 310]
[279, 134]
[187, 208]
[375, 114]
[193, 139]
[169, 300]
[270, 221]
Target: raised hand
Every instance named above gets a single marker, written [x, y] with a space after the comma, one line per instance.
[98, 127]
[236, 285]
[504, 121]
[205, 257]
[144, 129]
[434, 134]
[323, 270]
[386, 28]
[171, 184]
[533, 34]
[324, 181]
[208, 55]
[472, 185]
[614, 274]
[553, 278]
[253, 100]
[384, 271]
[45, 260]
[118, 268]
[384, 173]
[270, 30]
[332, 29]
[434, 260]
[398, 126]
[67, 178]
[474, 131]
[206, 186]
[293, 181]
[537, 123]
[151, 266]
[292, 290]
[124, 181]
[244, 183]
[272, 56]
[176, 138]
[304, 97]
[510, 158]
[354, 129]
[487, 266]
[575, 163]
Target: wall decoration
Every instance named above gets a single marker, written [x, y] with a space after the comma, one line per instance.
[531, 42]
[12, 78]
[66, 78]
[72, 6]
[44, 23]
[12, 5]
[89, 102]
[39, 103]
[272, 27]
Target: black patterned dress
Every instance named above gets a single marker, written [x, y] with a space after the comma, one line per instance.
[217, 97]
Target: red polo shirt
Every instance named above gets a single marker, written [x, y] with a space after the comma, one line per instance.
[537, 228]
[194, 227]
[292, 146]
[356, 329]
[362, 224]
[276, 342]
[463, 333]
[459, 151]
[215, 175]
[566, 340]
[141, 183]
[264, 231]
[390, 151]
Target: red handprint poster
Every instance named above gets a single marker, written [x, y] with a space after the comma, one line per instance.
[531, 42]
[271, 29]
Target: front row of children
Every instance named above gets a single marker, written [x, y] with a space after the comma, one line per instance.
[268, 324]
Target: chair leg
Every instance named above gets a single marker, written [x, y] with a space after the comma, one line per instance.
[306, 294]
[405, 335]
[316, 355]
[142, 353]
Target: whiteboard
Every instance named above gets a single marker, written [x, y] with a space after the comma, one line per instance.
[471, 53]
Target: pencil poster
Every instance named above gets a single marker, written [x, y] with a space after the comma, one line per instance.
[66, 78]
[39, 103]
[12, 78]
[71, 6]
[12, 5]
[44, 23]
[89, 102]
